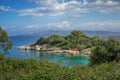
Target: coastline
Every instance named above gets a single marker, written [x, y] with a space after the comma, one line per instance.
[54, 50]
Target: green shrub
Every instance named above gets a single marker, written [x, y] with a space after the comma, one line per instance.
[106, 51]
[81, 47]
[5, 43]
[2, 57]
[16, 69]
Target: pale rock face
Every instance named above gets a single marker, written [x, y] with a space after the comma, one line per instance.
[44, 48]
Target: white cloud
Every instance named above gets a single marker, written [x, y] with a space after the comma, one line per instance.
[50, 26]
[61, 25]
[104, 23]
[101, 25]
[59, 7]
[55, 7]
[97, 5]
[5, 8]
[45, 7]
[31, 27]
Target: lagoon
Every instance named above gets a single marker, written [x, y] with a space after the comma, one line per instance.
[25, 54]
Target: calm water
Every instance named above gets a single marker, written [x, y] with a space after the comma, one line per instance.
[25, 54]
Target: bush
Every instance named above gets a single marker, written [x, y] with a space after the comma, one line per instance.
[41, 41]
[2, 57]
[5, 43]
[81, 47]
[98, 55]
[16, 69]
[65, 47]
[106, 51]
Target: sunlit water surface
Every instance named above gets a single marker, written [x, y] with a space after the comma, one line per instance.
[25, 54]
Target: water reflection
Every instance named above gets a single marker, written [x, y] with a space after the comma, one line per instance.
[67, 60]
[25, 54]
[64, 60]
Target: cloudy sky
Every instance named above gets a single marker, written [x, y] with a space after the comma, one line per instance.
[29, 16]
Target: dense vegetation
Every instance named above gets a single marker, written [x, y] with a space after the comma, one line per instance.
[76, 39]
[15, 69]
[5, 43]
[106, 51]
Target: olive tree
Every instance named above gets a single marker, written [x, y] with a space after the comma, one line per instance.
[5, 43]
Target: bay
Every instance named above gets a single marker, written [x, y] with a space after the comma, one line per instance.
[26, 54]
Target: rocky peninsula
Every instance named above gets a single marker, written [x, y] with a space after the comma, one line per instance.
[75, 43]
[53, 50]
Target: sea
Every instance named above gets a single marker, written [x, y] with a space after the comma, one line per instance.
[38, 55]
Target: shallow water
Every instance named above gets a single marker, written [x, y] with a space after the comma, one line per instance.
[25, 54]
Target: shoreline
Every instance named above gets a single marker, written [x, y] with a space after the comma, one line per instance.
[53, 50]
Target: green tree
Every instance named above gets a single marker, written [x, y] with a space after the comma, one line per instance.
[41, 41]
[97, 41]
[65, 44]
[105, 51]
[5, 43]
[55, 39]
[77, 33]
[98, 55]
[113, 47]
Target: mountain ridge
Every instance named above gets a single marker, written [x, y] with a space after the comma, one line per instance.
[102, 34]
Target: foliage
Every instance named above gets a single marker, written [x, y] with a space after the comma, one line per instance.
[16, 69]
[5, 43]
[81, 47]
[55, 39]
[105, 51]
[41, 41]
[98, 55]
[76, 33]
[74, 40]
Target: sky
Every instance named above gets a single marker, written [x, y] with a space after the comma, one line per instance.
[29, 16]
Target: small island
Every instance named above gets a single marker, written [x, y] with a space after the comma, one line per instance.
[75, 43]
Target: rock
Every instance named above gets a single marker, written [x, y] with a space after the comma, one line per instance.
[52, 50]
[85, 52]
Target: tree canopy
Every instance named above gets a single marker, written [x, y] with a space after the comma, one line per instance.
[5, 43]
[76, 39]
[105, 51]
[76, 33]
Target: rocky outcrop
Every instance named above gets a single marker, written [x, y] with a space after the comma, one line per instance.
[85, 52]
[53, 50]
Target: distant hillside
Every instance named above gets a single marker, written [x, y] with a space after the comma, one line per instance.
[102, 34]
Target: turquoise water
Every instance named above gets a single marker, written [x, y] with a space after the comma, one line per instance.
[25, 54]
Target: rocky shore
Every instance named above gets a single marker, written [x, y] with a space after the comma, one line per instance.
[52, 50]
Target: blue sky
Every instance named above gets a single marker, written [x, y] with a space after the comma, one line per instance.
[30, 16]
